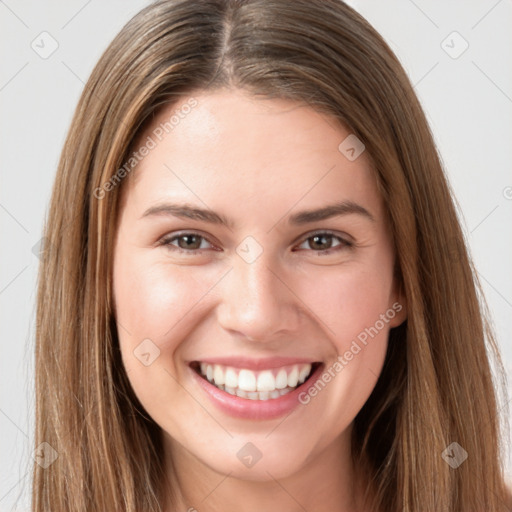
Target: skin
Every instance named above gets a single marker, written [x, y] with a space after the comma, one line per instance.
[256, 162]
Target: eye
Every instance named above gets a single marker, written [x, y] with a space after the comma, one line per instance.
[324, 242]
[186, 242]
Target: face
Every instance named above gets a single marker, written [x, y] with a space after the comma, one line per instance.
[253, 282]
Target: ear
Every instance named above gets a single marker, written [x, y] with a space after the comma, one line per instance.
[397, 303]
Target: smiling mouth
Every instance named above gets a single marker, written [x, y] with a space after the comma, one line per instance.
[255, 385]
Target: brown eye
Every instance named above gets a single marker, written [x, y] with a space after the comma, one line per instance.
[186, 242]
[189, 241]
[320, 242]
[324, 241]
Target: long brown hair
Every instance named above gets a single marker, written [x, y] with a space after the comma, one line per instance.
[436, 386]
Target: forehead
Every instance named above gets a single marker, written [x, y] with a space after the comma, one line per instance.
[231, 147]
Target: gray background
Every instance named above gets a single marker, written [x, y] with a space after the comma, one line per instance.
[467, 97]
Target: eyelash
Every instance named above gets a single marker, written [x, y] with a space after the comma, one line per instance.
[343, 243]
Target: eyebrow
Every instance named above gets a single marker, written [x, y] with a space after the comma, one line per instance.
[329, 211]
[187, 211]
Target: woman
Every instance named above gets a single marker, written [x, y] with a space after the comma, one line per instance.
[256, 292]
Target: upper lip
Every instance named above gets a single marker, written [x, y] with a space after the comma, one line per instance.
[251, 363]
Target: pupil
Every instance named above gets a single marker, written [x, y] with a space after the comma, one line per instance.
[189, 242]
[321, 242]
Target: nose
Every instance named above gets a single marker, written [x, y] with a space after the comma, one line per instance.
[257, 303]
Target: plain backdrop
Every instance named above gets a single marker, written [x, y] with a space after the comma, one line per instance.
[457, 54]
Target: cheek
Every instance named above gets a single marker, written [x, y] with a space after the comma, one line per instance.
[347, 301]
[155, 308]
[144, 302]
[159, 302]
[151, 300]
[354, 310]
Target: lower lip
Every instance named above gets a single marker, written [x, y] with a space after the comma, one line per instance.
[256, 409]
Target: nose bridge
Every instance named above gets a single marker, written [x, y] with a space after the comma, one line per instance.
[256, 303]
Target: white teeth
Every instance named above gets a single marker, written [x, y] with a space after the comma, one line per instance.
[231, 378]
[266, 381]
[218, 375]
[304, 373]
[293, 377]
[281, 379]
[247, 380]
[262, 385]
